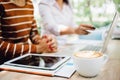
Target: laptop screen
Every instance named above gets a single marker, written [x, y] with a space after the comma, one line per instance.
[110, 31]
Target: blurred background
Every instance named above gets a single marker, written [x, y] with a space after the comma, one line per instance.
[96, 12]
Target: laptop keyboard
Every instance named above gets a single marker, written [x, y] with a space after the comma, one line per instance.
[91, 48]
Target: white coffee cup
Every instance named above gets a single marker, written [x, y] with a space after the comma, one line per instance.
[90, 64]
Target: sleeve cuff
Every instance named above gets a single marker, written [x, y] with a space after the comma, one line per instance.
[61, 27]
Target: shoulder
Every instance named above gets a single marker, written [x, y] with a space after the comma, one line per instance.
[47, 2]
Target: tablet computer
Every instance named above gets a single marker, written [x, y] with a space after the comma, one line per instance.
[38, 61]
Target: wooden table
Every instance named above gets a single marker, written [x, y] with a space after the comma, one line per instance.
[111, 71]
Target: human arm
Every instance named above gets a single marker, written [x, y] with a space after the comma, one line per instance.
[49, 15]
[84, 29]
[9, 50]
[45, 43]
[50, 23]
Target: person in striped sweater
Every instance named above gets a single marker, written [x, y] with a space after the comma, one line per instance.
[18, 31]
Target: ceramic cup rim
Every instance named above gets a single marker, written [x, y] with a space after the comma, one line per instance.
[85, 58]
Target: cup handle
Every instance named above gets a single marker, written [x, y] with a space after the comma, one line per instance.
[105, 58]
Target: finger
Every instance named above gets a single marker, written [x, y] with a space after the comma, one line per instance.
[44, 36]
[87, 27]
[52, 41]
[37, 41]
[52, 47]
[44, 40]
[35, 37]
[85, 32]
[53, 44]
[49, 38]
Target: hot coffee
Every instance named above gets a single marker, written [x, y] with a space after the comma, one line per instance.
[88, 54]
[89, 63]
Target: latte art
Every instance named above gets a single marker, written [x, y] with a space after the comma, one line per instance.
[88, 54]
[89, 63]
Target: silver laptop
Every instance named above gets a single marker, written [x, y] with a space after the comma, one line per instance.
[96, 46]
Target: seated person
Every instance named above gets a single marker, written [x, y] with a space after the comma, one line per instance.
[58, 20]
[17, 27]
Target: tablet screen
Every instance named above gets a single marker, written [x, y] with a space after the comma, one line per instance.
[37, 61]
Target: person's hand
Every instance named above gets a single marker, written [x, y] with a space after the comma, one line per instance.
[52, 42]
[36, 39]
[47, 44]
[86, 27]
[83, 29]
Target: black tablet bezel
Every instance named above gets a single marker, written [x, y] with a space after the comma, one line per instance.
[35, 67]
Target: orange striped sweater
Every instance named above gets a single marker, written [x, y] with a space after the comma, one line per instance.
[17, 26]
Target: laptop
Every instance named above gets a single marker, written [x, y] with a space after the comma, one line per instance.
[95, 45]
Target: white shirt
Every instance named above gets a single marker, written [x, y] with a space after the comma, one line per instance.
[55, 19]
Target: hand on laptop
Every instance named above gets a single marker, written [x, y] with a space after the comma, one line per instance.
[84, 29]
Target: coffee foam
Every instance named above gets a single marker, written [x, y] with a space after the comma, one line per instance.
[88, 54]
